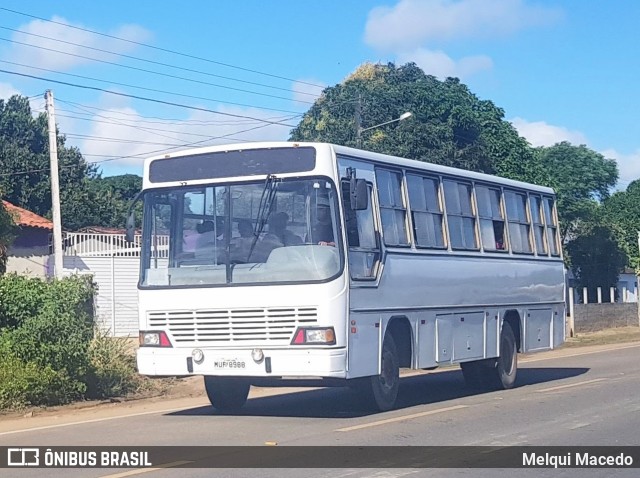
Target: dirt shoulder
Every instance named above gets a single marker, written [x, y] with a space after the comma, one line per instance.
[162, 391]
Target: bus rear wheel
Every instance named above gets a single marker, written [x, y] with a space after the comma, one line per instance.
[380, 391]
[498, 373]
[503, 375]
[226, 394]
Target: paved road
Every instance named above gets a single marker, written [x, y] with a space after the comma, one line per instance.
[580, 396]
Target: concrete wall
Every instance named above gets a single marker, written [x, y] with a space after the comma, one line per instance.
[28, 261]
[592, 317]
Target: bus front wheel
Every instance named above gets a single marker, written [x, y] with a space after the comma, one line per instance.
[226, 394]
[381, 391]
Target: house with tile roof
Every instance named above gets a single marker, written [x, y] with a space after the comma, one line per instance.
[29, 252]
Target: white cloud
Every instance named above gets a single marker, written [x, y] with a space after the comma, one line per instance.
[7, 91]
[439, 64]
[43, 56]
[540, 133]
[143, 137]
[628, 166]
[411, 23]
[305, 91]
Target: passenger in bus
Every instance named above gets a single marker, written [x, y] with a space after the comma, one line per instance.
[278, 230]
[210, 237]
[240, 246]
[498, 232]
[322, 230]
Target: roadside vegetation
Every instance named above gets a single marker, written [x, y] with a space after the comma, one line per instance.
[50, 351]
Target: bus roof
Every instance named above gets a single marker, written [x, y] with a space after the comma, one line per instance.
[379, 158]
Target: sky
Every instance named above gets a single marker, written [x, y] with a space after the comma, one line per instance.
[140, 78]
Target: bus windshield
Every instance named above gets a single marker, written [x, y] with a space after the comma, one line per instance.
[262, 232]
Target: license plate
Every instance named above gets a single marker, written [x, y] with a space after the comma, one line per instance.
[228, 364]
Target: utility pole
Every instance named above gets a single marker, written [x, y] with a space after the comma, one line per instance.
[359, 121]
[55, 186]
[638, 283]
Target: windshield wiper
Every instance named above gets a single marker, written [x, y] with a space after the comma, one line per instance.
[264, 209]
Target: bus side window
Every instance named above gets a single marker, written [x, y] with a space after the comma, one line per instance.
[363, 248]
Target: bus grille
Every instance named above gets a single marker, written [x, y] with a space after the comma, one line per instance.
[240, 326]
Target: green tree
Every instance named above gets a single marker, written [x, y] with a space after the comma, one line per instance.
[449, 126]
[24, 163]
[86, 198]
[622, 213]
[582, 179]
[596, 258]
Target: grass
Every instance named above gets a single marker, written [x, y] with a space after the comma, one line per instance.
[608, 336]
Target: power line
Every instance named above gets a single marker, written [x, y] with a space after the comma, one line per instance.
[143, 155]
[159, 63]
[154, 90]
[142, 98]
[164, 121]
[166, 50]
[144, 70]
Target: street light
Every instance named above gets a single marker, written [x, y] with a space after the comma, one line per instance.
[361, 130]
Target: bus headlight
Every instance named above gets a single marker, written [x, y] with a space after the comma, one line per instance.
[314, 336]
[198, 356]
[153, 339]
[257, 355]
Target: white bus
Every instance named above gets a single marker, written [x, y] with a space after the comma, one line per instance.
[298, 261]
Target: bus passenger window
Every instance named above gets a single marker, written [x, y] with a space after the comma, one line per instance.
[491, 218]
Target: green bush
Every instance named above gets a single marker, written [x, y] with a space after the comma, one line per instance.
[45, 331]
[22, 298]
[50, 353]
[26, 383]
[112, 367]
[59, 341]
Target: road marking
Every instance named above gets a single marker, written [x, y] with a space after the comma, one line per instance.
[561, 387]
[173, 464]
[579, 425]
[401, 418]
[94, 420]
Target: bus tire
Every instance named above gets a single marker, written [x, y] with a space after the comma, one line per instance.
[504, 373]
[380, 391]
[226, 394]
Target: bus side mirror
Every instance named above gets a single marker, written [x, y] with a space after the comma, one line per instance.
[131, 227]
[359, 194]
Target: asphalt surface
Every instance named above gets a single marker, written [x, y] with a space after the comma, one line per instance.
[587, 396]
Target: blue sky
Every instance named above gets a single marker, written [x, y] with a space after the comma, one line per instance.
[561, 70]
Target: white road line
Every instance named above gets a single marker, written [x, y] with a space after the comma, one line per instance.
[94, 420]
[146, 470]
[570, 385]
[401, 418]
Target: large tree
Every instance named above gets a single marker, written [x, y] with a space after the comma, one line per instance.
[449, 126]
[86, 199]
[582, 179]
[621, 212]
[596, 259]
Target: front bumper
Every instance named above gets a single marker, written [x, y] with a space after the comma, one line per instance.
[293, 363]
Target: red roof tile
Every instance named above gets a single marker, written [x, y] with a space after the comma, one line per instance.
[22, 217]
